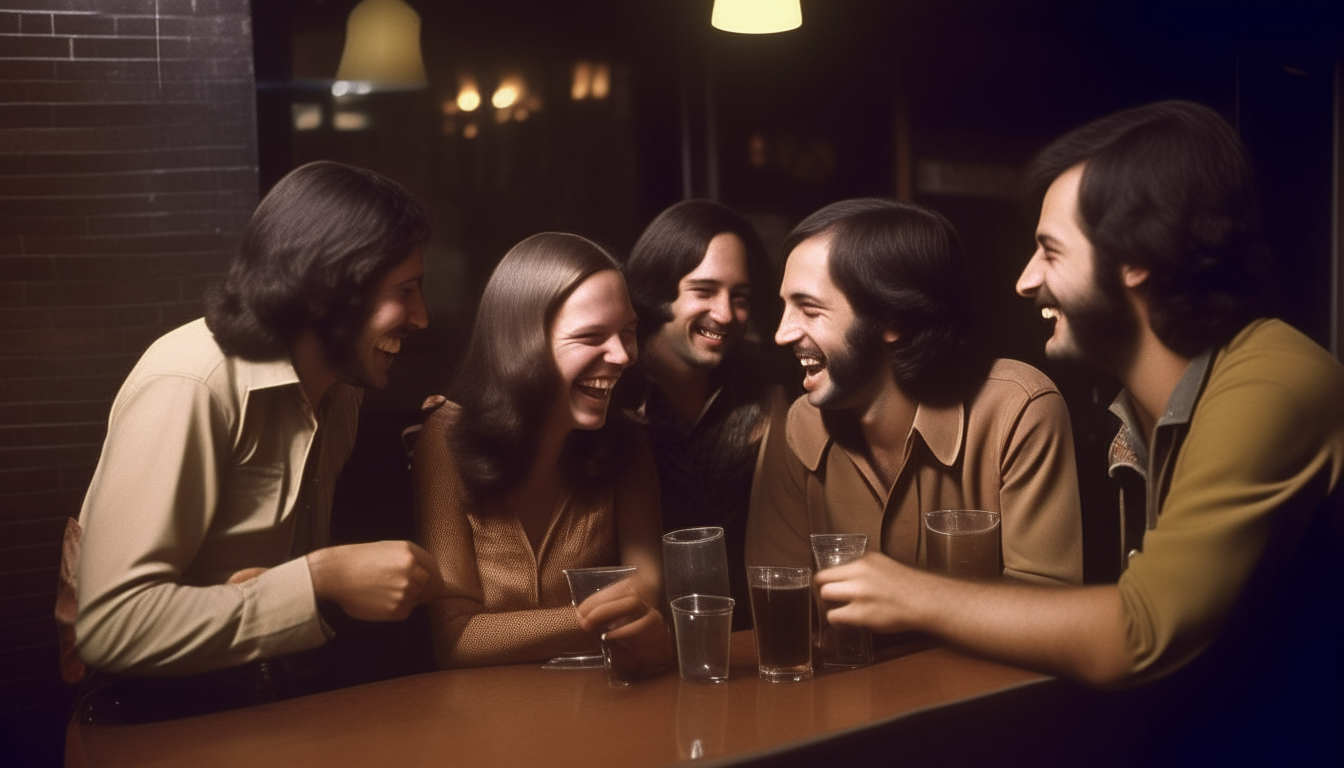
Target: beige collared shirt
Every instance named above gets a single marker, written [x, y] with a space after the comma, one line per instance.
[212, 464]
[1008, 450]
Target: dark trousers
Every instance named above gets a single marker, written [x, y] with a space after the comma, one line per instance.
[108, 699]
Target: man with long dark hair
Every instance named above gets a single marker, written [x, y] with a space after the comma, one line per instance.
[701, 282]
[904, 413]
[205, 526]
[1151, 267]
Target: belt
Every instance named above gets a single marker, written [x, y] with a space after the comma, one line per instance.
[109, 699]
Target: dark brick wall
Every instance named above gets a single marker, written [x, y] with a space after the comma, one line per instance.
[128, 166]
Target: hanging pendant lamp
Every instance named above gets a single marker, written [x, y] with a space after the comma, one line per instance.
[756, 17]
[382, 47]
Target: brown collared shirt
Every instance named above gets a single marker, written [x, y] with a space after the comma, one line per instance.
[1008, 449]
[507, 603]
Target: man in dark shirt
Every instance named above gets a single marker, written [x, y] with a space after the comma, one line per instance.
[701, 283]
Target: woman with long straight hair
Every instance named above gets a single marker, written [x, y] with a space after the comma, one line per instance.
[521, 474]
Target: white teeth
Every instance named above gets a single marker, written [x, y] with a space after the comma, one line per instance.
[709, 334]
[1049, 313]
[603, 384]
[388, 344]
[807, 361]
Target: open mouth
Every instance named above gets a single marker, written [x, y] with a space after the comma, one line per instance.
[710, 331]
[812, 362]
[386, 349]
[1049, 313]
[598, 388]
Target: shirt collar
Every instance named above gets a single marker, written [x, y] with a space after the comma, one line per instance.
[941, 428]
[1130, 446]
[265, 374]
[1181, 404]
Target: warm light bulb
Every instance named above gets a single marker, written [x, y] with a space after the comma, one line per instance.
[756, 17]
[507, 94]
[468, 98]
[504, 97]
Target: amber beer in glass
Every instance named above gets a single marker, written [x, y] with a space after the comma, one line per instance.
[963, 543]
[781, 607]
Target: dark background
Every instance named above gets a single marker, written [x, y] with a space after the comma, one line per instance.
[136, 136]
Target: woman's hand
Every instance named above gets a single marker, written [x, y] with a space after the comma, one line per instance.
[622, 616]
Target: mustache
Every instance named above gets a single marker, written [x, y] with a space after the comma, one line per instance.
[711, 325]
[1044, 298]
[803, 349]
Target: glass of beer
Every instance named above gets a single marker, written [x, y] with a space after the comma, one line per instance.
[841, 646]
[963, 543]
[781, 606]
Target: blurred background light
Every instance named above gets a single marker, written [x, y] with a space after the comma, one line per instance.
[468, 97]
[508, 93]
[307, 117]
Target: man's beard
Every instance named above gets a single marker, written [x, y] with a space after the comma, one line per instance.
[854, 367]
[1103, 328]
[342, 348]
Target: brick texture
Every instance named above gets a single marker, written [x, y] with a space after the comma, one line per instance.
[128, 167]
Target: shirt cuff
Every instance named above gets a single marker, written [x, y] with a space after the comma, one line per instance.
[280, 610]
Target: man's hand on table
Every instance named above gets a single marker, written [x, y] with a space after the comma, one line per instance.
[376, 581]
[623, 615]
[1075, 631]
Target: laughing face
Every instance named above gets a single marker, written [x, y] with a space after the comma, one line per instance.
[841, 354]
[593, 341]
[1091, 323]
[710, 312]
[396, 310]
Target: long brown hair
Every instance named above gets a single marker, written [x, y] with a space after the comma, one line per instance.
[508, 377]
[310, 256]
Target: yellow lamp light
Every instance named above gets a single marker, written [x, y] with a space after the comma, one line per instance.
[382, 47]
[756, 17]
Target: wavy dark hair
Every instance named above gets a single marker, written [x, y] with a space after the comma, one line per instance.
[1167, 187]
[508, 378]
[315, 247]
[901, 266]
[674, 244]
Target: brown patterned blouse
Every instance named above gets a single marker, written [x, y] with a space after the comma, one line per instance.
[508, 604]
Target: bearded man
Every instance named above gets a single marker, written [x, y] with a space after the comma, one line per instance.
[903, 413]
[1151, 266]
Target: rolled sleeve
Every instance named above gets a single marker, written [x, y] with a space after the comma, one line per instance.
[1255, 465]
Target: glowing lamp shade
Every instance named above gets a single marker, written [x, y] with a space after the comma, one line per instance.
[382, 46]
[756, 17]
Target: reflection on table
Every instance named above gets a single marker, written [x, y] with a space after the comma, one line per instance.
[524, 715]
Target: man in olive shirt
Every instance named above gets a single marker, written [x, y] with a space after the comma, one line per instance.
[904, 414]
[1150, 264]
[205, 527]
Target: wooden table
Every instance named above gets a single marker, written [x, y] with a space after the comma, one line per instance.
[524, 715]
